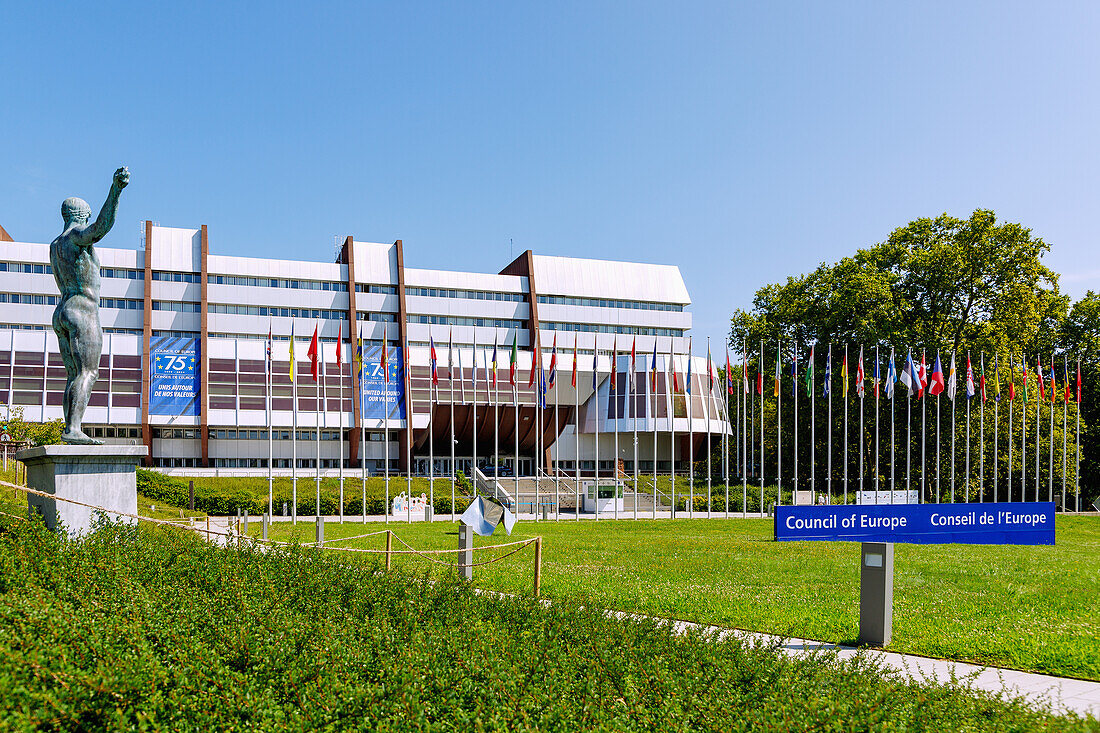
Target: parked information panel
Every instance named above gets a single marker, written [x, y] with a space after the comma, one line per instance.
[1015, 523]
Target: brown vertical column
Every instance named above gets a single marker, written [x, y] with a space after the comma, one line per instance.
[147, 338]
[204, 385]
[402, 323]
[347, 257]
[524, 266]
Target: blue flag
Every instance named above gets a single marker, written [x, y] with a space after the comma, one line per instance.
[828, 373]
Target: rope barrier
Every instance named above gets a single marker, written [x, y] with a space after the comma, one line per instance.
[231, 535]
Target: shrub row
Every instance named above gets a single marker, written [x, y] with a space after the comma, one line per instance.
[148, 628]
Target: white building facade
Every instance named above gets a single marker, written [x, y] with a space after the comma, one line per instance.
[185, 368]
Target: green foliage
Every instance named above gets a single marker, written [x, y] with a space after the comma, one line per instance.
[152, 629]
[38, 433]
[224, 495]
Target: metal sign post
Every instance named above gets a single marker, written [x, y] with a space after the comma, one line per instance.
[876, 593]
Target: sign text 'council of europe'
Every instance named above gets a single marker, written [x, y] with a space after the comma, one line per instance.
[1007, 523]
[174, 376]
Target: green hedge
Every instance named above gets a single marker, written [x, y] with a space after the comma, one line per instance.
[151, 629]
[228, 495]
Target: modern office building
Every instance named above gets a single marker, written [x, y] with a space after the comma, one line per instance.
[184, 366]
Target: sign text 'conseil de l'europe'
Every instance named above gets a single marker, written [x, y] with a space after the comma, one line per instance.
[1014, 523]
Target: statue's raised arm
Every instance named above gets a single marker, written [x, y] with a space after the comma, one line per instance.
[98, 229]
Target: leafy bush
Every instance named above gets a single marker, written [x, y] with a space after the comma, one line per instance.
[139, 628]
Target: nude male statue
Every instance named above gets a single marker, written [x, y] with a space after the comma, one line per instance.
[76, 318]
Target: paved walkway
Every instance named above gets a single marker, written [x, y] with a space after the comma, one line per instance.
[1061, 693]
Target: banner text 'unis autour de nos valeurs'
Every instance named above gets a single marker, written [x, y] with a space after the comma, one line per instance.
[174, 376]
[1007, 523]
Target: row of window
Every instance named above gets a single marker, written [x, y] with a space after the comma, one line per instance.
[509, 323]
[126, 304]
[469, 294]
[263, 337]
[22, 327]
[178, 306]
[28, 299]
[263, 310]
[380, 317]
[376, 289]
[610, 303]
[240, 434]
[277, 282]
[605, 328]
[158, 275]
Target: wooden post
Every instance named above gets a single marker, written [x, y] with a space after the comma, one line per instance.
[190, 496]
[538, 565]
[207, 527]
[389, 548]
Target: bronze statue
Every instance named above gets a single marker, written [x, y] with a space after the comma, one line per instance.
[76, 318]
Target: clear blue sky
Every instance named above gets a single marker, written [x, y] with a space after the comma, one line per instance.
[742, 142]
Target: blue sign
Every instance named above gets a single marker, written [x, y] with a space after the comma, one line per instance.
[1015, 523]
[174, 376]
[377, 391]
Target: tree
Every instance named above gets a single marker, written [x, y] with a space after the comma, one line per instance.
[47, 433]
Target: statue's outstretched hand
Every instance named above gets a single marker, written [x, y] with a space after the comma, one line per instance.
[122, 177]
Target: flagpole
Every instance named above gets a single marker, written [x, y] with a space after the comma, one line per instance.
[386, 420]
[1065, 416]
[981, 436]
[596, 400]
[634, 412]
[576, 434]
[1011, 399]
[1050, 411]
[294, 441]
[1077, 452]
[1023, 433]
[794, 407]
[952, 395]
[862, 395]
[362, 423]
[908, 431]
[614, 387]
[496, 416]
[778, 426]
[433, 370]
[515, 427]
[996, 425]
[671, 384]
[706, 407]
[340, 461]
[691, 436]
[540, 408]
[318, 397]
[1038, 438]
[938, 495]
[969, 397]
[813, 430]
[557, 434]
[878, 389]
[760, 389]
[727, 430]
[473, 407]
[829, 427]
[923, 432]
[653, 389]
[890, 375]
[270, 427]
[745, 401]
[844, 397]
[451, 400]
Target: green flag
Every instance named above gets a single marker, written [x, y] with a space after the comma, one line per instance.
[512, 365]
[810, 374]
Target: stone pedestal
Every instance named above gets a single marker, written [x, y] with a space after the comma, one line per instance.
[99, 475]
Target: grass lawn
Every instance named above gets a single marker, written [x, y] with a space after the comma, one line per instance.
[1028, 608]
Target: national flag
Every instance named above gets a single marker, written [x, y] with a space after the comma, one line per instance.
[494, 360]
[359, 357]
[922, 377]
[844, 374]
[634, 366]
[536, 354]
[760, 377]
[653, 369]
[794, 370]
[1078, 384]
[981, 376]
[433, 361]
[828, 385]
[385, 357]
[1053, 386]
[810, 374]
[514, 361]
[314, 353]
[1069, 392]
[775, 386]
[935, 385]
[450, 359]
[552, 378]
[687, 383]
[1039, 377]
[876, 380]
[729, 373]
[574, 361]
[269, 340]
[542, 386]
[672, 367]
[614, 365]
[970, 392]
[291, 351]
[1024, 362]
[952, 385]
[891, 377]
[908, 373]
[996, 378]
[339, 342]
[1011, 378]
[710, 371]
[859, 375]
[745, 369]
[595, 367]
